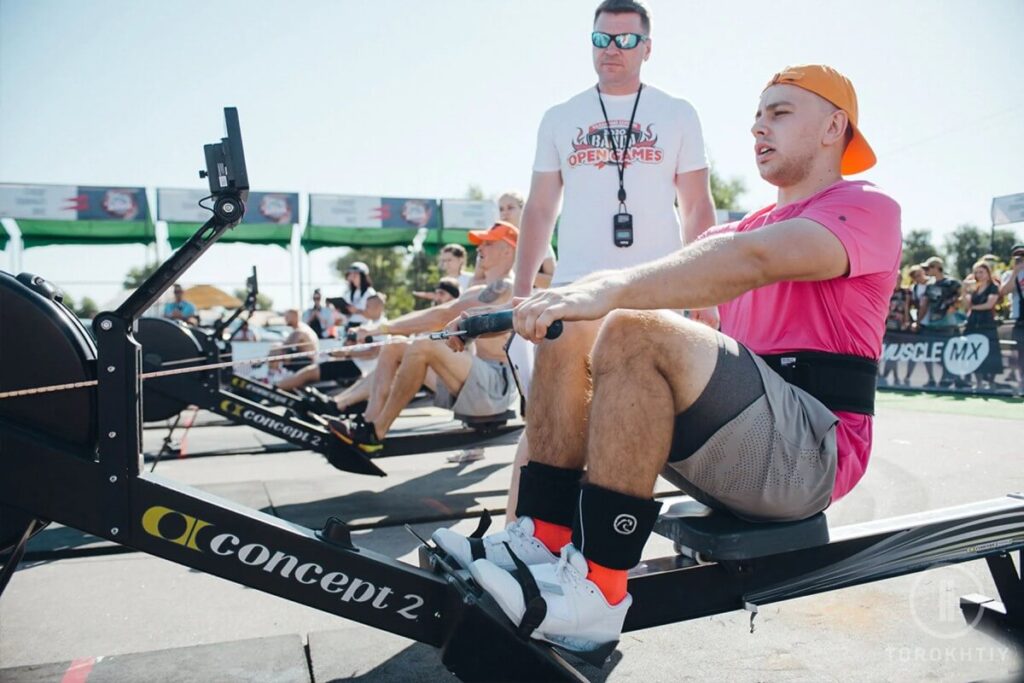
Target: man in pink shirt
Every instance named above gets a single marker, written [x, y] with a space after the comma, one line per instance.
[769, 419]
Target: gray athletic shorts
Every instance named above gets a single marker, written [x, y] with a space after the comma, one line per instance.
[773, 457]
[489, 390]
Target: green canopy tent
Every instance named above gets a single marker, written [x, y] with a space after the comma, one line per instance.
[355, 221]
[269, 217]
[75, 214]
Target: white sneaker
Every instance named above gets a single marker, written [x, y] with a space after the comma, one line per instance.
[467, 455]
[578, 616]
[518, 535]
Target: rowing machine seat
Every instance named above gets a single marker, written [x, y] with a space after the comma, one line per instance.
[485, 422]
[700, 531]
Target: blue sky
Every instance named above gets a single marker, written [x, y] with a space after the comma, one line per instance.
[410, 98]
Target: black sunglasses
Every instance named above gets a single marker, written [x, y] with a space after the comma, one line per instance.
[624, 41]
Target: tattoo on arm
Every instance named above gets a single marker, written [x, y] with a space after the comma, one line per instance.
[493, 292]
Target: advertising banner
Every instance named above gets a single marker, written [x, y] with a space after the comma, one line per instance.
[78, 214]
[356, 221]
[459, 216]
[981, 361]
[1008, 209]
[269, 216]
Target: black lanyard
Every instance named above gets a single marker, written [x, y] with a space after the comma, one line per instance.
[620, 165]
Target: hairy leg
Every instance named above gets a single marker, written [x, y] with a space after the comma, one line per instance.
[451, 368]
[559, 401]
[647, 367]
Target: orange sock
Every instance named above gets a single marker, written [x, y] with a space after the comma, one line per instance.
[612, 582]
[553, 536]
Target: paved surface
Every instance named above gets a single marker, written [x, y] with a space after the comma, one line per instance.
[132, 617]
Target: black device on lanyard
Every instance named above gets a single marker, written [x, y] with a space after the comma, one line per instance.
[622, 222]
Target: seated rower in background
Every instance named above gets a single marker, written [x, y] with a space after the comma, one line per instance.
[479, 384]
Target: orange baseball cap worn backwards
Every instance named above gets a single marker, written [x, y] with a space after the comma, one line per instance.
[828, 83]
[500, 231]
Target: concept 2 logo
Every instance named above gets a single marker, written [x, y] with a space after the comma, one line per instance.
[271, 423]
[172, 526]
[195, 534]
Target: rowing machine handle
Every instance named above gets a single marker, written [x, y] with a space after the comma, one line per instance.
[501, 321]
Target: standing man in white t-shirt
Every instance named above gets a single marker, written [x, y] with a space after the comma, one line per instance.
[618, 193]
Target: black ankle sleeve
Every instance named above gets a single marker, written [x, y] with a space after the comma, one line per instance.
[548, 493]
[611, 528]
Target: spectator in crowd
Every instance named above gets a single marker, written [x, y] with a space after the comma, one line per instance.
[321, 317]
[1012, 285]
[451, 263]
[898, 320]
[980, 296]
[510, 210]
[939, 313]
[919, 282]
[180, 309]
[302, 339]
[360, 289]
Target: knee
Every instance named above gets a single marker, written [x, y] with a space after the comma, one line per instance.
[420, 349]
[391, 353]
[625, 339]
[630, 339]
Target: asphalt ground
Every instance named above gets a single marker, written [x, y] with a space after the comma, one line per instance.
[79, 609]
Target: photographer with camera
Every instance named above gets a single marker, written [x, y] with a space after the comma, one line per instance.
[1013, 285]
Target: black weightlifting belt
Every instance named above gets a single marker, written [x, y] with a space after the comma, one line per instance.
[839, 381]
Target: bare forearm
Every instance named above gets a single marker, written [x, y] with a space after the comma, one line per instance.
[426, 320]
[703, 274]
[534, 236]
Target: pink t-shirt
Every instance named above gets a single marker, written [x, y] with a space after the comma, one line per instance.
[843, 315]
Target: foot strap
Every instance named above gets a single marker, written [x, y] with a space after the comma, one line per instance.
[536, 607]
[477, 551]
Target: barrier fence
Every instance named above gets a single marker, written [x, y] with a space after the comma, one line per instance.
[982, 361]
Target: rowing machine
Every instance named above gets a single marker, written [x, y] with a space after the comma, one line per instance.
[168, 343]
[73, 457]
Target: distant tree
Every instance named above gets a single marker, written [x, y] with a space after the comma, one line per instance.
[263, 301]
[475, 192]
[87, 309]
[136, 276]
[726, 193]
[917, 247]
[965, 246]
[1003, 242]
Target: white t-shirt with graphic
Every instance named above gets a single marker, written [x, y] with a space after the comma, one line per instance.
[574, 139]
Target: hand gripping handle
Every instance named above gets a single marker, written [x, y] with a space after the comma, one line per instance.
[500, 322]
